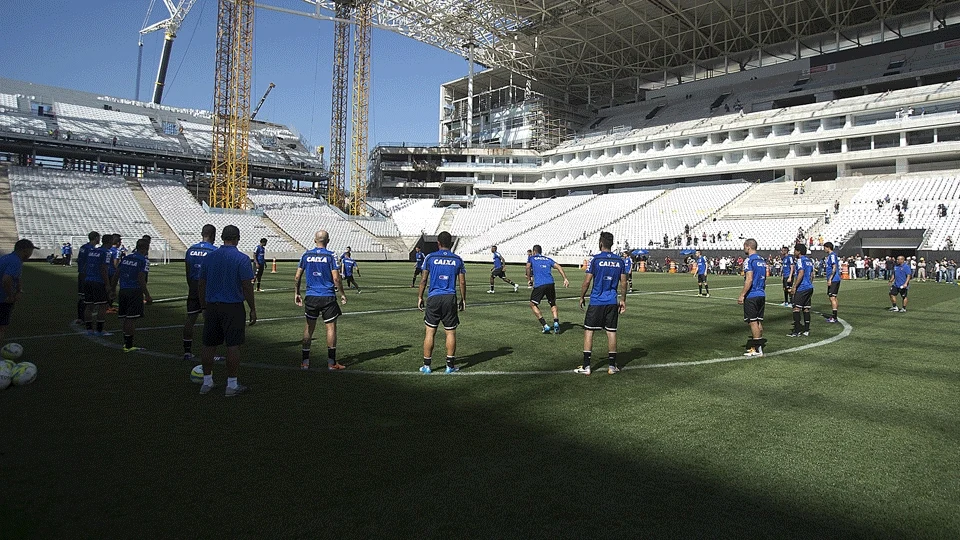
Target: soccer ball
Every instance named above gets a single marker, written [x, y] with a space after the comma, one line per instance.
[6, 374]
[25, 373]
[196, 375]
[12, 351]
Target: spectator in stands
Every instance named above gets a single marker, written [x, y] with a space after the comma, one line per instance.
[899, 217]
[949, 243]
[904, 204]
[114, 140]
[836, 206]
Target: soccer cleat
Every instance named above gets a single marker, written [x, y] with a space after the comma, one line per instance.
[894, 308]
[205, 389]
[793, 334]
[831, 320]
[630, 290]
[359, 291]
[582, 370]
[132, 349]
[188, 356]
[612, 370]
[305, 364]
[556, 328]
[451, 369]
[806, 333]
[903, 310]
[240, 389]
[425, 370]
[516, 287]
[706, 295]
[490, 291]
[754, 351]
[546, 329]
[336, 367]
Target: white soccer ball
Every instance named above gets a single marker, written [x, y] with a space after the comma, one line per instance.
[12, 351]
[6, 375]
[196, 375]
[24, 374]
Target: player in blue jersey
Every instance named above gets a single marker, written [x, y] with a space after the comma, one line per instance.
[67, 253]
[132, 279]
[832, 265]
[900, 283]
[111, 272]
[442, 272]
[96, 288]
[540, 271]
[753, 297]
[608, 275]
[789, 272]
[702, 266]
[260, 261]
[192, 261]
[350, 267]
[93, 239]
[418, 256]
[499, 270]
[323, 282]
[11, 288]
[801, 292]
[628, 268]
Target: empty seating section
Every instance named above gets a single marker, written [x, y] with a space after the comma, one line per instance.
[417, 217]
[186, 216]
[52, 206]
[199, 137]
[924, 195]
[379, 227]
[485, 213]
[770, 233]
[23, 124]
[101, 126]
[8, 102]
[524, 221]
[301, 216]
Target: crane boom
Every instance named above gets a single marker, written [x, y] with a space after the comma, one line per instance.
[264, 98]
[170, 26]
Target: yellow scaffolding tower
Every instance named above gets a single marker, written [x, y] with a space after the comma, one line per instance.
[231, 104]
[337, 187]
[361, 97]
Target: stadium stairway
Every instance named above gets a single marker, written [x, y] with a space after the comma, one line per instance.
[176, 245]
[446, 221]
[8, 225]
[279, 231]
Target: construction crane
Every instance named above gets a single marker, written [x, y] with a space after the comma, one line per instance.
[363, 14]
[337, 187]
[170, 26]
[264, 98]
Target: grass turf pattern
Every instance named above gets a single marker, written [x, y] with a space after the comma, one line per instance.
[855, 438]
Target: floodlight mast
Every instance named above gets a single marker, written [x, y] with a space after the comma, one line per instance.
[170, 26]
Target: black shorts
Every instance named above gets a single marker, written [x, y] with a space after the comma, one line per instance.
[193, 298]
[605, 317]
[94, 293]
[5, 310]
[753, 308]
[539, 292]
[803, 299]
[787, 284]
[260, 267]
[224, 324]
[833, 288]
[130, 304]
[321, 307]
[442, 309]
[701, 278]
[417, 271]
[902, 291]
[500, 273]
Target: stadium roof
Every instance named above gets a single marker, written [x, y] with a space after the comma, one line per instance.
[616, 46]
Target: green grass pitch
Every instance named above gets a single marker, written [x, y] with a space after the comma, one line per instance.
[854, 437]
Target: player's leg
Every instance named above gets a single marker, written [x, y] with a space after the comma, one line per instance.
[188, 326]
[428, 337]
[260, 268]
[612, 352]
[630, 282]
[904, 295]
[451, 344]
[308, 328]
[536, 313]
[332, 346]
[796, 321]
[893, 300]
[129, 326]
[706, 285]
[556, 318]
[806, 321]
[587, 352]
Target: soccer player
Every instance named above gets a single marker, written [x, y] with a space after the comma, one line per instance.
[607, 273]
[790, 268]
[350, 266]
[833, 279]
[226, 281]
[111, 257]
[900, 283]
[801, 292]
[93, 239]
[193, 260]
[753, 297]
[132, 278]
[702, 274]
[499, 271]
[442, 270]
[67, 253]
[260, 259]
[323, 281]
[96, 287]
[540, 271]
[11, 268]
[628, 267]
[418, 269]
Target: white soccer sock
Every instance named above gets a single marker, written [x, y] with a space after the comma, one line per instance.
[231, 382]
[208, 380]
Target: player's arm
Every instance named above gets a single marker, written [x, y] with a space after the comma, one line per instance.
[202, 291]
[247, 287]
[105, 276]
[909, 277]
[186, 268]
[9, 288]
[747, 281]
[566, 282]
[623, 297]
[297, 299]
[527, 272]
[356, 268]
[587, 278]
[142, 281]
[423, 286]
[462, 278]
[338, 284]
[800, 273]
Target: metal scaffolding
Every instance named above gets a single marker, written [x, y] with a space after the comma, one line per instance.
[361, 107]
[338, 111]
[231, 104]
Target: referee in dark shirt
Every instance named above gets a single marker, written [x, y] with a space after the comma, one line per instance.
[225, 282]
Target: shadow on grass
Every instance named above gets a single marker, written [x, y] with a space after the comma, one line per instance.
[484, 356]
[360, 358]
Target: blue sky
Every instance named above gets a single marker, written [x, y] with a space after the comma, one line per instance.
[92, 46]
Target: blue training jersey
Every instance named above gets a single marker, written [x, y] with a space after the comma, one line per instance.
[195, 256]
[497, 260]
[10, 265]
[702, 265]
[758, 283]
[627, 264]
[113, 255]
[224, 270]
[788, 265]
[260, 254]
[318, 265]
[541, 268]
[95, 260]
[130, 268]
[348, 266]
[900, 274]
[443, 267]
[82, 257]
[606, 269]
[805, 264]
[833, 265]
[420, 256]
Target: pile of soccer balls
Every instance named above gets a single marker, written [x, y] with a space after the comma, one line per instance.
[11, 372]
